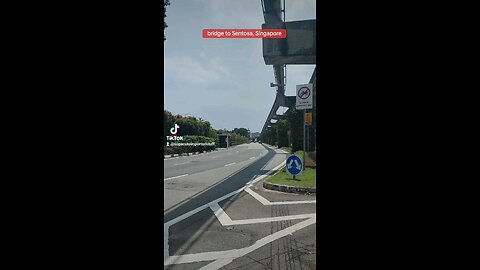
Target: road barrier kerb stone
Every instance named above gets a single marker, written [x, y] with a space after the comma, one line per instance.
[289, 189]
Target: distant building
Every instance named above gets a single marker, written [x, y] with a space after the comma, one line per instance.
[223, 141]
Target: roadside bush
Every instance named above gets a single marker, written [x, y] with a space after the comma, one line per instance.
[168, 150]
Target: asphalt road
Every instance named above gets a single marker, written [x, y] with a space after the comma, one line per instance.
[185, 177]
[211, 160]
[218, 216]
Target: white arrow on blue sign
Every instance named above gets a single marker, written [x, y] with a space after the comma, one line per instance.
[294, 165]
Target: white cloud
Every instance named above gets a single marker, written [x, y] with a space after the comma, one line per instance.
[299, 10]
[185, 70]
[235, 13]
[297, 74]
[224, 81]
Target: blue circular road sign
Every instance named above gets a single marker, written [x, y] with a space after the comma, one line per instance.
[294, 165]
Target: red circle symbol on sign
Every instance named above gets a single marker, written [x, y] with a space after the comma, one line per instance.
[303, 92]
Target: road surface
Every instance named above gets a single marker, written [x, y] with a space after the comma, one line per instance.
[218, 216]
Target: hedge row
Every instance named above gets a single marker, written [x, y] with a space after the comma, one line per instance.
[168, 150]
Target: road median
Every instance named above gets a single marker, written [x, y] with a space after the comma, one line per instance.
[281, 181]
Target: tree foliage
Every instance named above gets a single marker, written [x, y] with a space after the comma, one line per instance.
[198, 130]
[277, 134]
[188, 126]
[191, 149]
[295, 121]
[242, 132]
[236, 139]
[282, 129]
[165, 4]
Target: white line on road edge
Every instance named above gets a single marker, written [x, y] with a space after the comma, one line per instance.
[175, 177]
[264, 201]
[252, 157]
[253, 181]
[230, 164]
[225, 220]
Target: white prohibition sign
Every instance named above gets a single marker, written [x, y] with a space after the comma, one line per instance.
[304, 96]
[303, 92]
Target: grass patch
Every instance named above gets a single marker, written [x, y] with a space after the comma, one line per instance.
[307, 179]
[289, 149]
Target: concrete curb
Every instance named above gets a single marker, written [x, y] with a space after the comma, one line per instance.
[289, 189]
[171, 156]
[186, 154]
[196, 153]
[285, 188]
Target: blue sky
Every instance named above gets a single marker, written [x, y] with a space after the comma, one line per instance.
[224, 81]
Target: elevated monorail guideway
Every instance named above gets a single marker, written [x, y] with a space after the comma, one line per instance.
[298, 48]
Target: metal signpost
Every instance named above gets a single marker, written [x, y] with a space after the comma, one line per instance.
[294, 165]
[308, 123]
[304, 101]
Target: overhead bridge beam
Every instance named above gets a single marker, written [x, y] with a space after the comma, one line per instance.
[288, 101]
[299, 49]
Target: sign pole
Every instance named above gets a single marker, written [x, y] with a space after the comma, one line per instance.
[304, 137]
[303, 101]
[308, 137]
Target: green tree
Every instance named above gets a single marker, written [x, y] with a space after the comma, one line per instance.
[271, 135]
[242, 131]
[165, 4]
[295, 121]
[282, 128]
[168, 122]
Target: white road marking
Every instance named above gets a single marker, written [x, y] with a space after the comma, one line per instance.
[225, 220]
[260, 243]
[221, 215]
[271, 219]
[222, 258]
[252, 157]
[194, 211]
[176, 164]
[267, 202]
[230, 164]
[175, 177]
